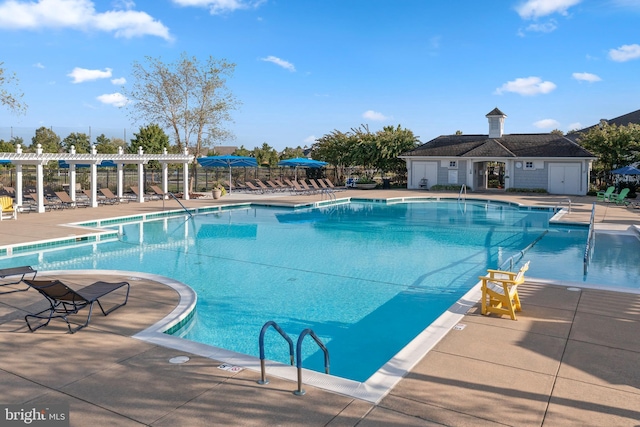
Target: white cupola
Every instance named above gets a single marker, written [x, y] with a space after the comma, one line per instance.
[496, 123]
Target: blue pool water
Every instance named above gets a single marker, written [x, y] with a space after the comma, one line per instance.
[365, 277]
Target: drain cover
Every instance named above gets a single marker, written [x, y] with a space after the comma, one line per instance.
[179, 359]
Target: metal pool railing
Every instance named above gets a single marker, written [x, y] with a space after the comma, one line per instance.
[588, 250]
[513, 259]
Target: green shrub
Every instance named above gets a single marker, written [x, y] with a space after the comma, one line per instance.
[527, 190]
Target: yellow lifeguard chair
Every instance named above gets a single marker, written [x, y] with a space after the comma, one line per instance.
[500, 291]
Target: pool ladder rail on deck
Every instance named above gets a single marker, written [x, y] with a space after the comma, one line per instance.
[304, 333]
[170, 194]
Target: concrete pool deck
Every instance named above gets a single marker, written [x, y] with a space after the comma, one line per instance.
[570, 359]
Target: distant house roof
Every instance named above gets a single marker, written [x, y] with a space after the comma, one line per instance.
[513, 145]
[221, 150]
[624, 120]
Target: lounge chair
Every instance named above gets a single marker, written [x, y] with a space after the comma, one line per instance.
[333, 187]
[263, 187]
[603, 196]
[15, 272]
[500, 291]
[252, 188]
[315, 185]
[306, 187]
[64, 301]
[282, 185]
[274, 187]
[136, 191]
[620, 199]
[67, 202]
[158, 191]
[48, 203]
[109, 197]
[7, 209]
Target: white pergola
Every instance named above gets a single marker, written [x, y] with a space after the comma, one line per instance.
[39, 159]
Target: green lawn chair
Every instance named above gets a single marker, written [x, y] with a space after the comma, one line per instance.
[603, 196]
[619, 199]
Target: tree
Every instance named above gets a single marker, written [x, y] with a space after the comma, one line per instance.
[9, 98]
[266, 156]
[188, 97]
[7, 147]
[335, 148]
[242, 151]
[48, 139]
[390, 143]
[104, 145]
[615, 146]
[152, 139]
[79, 140]
[292, 153]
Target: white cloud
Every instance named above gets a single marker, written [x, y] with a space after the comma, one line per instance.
[586, 77]
[547, 27]
[81, 75]
[78, 15]
[574, 126]
[526, 86]
[625, 53]
[532, 9]
[280, 62]
[310, 139]
[374, 115]
[221, 6]
[119, 81]
[116, 99]
[38, 65]
[547, 124]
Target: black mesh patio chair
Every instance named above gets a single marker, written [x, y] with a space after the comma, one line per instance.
[64, 301]
[13, 273]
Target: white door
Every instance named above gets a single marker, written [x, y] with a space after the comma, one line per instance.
[424, 170]
[564, 178]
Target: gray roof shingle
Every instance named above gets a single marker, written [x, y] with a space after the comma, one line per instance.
[514, 145]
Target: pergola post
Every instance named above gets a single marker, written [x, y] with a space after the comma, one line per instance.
[94, 179]
[72, 176]
[165, 176]
[140, 177]
[185, 174]
[19, 177]
[39, 182]
[120, 166]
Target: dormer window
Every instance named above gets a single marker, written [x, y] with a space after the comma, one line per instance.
[453, 164]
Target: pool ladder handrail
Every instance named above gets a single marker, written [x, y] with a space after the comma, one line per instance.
[263, 377]
[331, 195]
[170, 194]
[300, 391]
[303, 334]
[590, 241]
[463, 189]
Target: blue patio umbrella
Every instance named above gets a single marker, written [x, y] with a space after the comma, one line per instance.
[5, 162]
[105, 163]
[302, 162]
[229, 161]
[627, 170]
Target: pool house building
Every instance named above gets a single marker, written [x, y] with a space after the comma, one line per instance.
[539, 161]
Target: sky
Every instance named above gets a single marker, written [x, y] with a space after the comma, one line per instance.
[305, 68]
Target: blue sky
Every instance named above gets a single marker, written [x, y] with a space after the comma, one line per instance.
[307, 67]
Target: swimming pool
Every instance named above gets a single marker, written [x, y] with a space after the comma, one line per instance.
[366, 277]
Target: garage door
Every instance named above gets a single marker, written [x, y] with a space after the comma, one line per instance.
[564, 178]
[424, 170]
